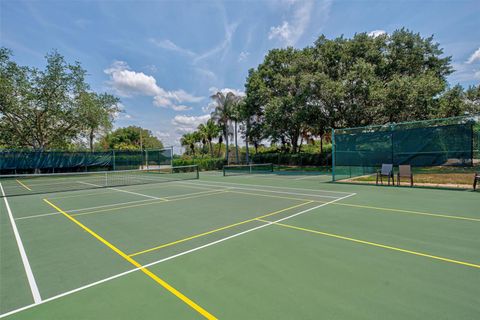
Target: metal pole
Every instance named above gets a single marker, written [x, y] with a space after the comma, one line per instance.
[333, 154]
[113, 160]
[146, 158]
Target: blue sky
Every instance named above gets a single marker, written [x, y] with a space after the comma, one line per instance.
[165, 58]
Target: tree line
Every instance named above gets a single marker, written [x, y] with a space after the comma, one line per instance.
[55, 108]
[299, 95]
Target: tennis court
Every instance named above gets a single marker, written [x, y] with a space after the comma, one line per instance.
[254, 246]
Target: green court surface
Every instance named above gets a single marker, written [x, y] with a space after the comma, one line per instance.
[260, 246]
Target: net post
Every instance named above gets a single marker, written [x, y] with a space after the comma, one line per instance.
[113, 159]
[171, 156]
[223, 168]
[333, 154]
[198, 173]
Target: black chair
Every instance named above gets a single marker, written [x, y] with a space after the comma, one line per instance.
[475, 180]
[386, 171]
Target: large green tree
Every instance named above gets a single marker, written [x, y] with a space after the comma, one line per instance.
[251, 110]
[283, 93]
[130, 138]
[97, 113]
[349, 82]
[50, 108]
[40, 108]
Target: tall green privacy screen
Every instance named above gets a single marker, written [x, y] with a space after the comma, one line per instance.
[16, 162]
[432, 143]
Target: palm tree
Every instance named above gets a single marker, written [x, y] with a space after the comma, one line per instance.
[188, 140]
[222, 113]
[220, 141]
[236, 116]
[209, 131]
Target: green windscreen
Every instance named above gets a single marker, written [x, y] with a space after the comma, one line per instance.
[18, 162]
[429, 146]
[441, 152]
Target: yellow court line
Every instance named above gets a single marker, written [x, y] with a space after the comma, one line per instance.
[149, 203]
[365, 207]
[176, 196]
[216, 230]
[157, 279]
[409, 211]
[23, 185]
[468, 264]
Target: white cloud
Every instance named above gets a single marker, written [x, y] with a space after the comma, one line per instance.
[183, 96]
[209, 107]
[222, 47]
[169, 45]
[463, 73]
[168, 139]
[289, 32]
[184, 124]
[376, 33]
[243, 56]
[152, 68]
[162, 134]
[181, 108]
[127, 83]
[206, 73]
[474, 57]
[236, 92]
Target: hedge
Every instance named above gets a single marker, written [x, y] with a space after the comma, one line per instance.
[293, 159]
[203, 164]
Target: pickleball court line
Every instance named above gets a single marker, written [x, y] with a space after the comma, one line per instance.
[170, 257]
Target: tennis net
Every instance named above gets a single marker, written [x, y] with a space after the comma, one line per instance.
[24, 184]
[247, 169]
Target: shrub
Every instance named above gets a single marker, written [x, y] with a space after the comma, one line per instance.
[203, 163]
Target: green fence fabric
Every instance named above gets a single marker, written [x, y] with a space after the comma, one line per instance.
[60, 161]
[425, 146]
[26, 160]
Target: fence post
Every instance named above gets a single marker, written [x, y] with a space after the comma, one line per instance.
[333, 154]
[146, 158]
[113, 160]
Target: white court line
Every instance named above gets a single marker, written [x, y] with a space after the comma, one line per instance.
[187, 184]
[171, 257]
[310, 176]
[26, 264]
[120, 204]
[270, 191]
[269, 186]
[120, 190]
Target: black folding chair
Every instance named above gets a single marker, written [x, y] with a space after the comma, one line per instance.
[475, 180]
[386, 171]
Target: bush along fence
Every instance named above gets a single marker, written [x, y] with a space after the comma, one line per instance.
[203, 164]
[297, 159]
